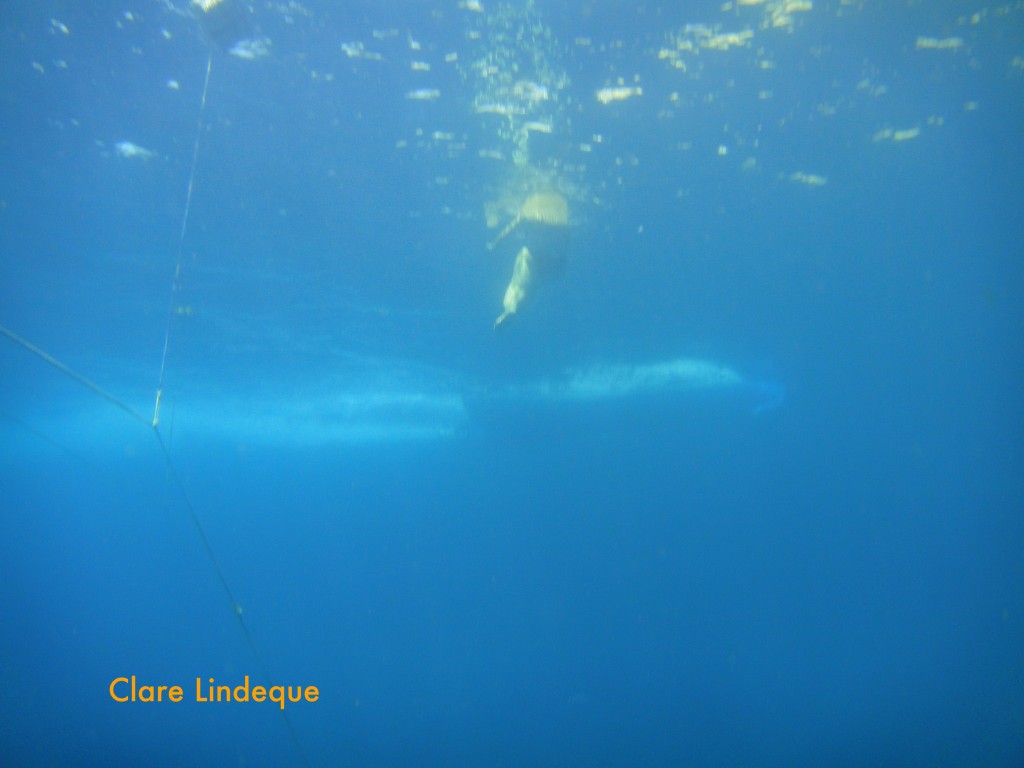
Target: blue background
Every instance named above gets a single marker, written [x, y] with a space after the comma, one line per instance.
[672, 580]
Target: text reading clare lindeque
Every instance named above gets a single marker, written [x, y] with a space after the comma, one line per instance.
[129, 689]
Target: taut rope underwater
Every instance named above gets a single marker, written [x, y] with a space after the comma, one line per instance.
[176, 283]
[154, 422]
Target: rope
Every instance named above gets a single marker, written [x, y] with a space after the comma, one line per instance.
[153, 423]
[176, 283]
[73, 374]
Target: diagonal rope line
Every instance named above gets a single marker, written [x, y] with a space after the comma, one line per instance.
[236, 608]
[74, 375]
[154, 422]
[176, 283]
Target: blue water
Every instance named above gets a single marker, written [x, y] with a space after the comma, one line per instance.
[741, 486]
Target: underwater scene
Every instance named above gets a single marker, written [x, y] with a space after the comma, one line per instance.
[512, 383]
